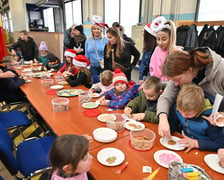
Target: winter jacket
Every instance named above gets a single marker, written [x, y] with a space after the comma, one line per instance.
[81, 176]
[144, 67]
[78, 79]
[138, 105]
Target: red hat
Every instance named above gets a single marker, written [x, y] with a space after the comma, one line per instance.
[148, 28]
[119, 77]
[70, 53]
[81, 61]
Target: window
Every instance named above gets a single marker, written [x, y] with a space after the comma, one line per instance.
[210, 10]
[73, 13]
[49, 19]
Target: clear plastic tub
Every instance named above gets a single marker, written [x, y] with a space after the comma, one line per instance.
[60, 104]
[142, 140]
[85, 96]
[117, 124]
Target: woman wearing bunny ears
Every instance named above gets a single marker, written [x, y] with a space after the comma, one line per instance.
[94, 46]
[83, 76]
[165, 31]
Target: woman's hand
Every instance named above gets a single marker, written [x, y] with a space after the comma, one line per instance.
[164, 127]
[221, 156]
[189, 143]
[127, 111]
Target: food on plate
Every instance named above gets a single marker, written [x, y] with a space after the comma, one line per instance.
[107, 117]
[63, 82]
[111, 159]
[135, 126]
[166, 158]
[172, 142]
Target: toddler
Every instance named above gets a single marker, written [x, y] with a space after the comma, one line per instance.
[121, 94]
[70, 158]
[105, 83]
[143, 107]
[68, 68]
[83, 76]
[198, 132]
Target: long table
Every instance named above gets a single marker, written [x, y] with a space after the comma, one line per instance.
[74, 121]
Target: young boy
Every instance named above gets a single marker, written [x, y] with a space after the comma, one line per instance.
[198, 132]
[121, 94]
[143, 108]
[53, 63]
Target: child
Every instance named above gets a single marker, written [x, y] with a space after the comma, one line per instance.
[83, 76]
[121, 94]
[70, 158]
[53, 63]
[143, 107]
[44, 53]
[105, 83]
[9, 88]
[198, 132]
[68, 68]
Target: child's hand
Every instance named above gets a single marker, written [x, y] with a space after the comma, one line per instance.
[88, 137]
[221, 156]
[127, 111]
[189, 143]
[210, 119]
[138, 116]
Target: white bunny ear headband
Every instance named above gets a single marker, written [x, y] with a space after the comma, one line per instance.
[159, 23]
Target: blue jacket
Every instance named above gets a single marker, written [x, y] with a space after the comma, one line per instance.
[144, 67]
[120, 101]
[209, 137]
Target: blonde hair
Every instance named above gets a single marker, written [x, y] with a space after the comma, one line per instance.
[120, 43]
[8, 59]
[153, 82]
[106, 77]
[96, 26]
[191, 98]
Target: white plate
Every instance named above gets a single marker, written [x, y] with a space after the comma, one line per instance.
[134, 126]
[177, 146]
[95, 95]
[28, 81]
[104, 117]
[57, 87]
[104, 154]
[165, 157]
[90, 105]
[212, 160]
[104, 135]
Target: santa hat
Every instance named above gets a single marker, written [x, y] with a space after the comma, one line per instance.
[97, 19]
[43, 46]
[81, 61]
[149, 30]
[119, 77]
[159, 23]
[70, 53]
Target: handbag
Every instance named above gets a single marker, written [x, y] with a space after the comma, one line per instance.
[101, 61]
[116, 65]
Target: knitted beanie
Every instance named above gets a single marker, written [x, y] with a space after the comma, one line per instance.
[43, 46]
[119, 77]
[79, 28]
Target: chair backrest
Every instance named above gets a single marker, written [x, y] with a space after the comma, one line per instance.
[6, 151]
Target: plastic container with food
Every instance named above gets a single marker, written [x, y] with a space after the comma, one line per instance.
[116, 124]
[47, 82]
[85, 96]
[60, 104]
[142, 140]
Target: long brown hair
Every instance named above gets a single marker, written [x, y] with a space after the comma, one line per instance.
[178, 62]
[149, 42]
[120, 44]
[88, 73]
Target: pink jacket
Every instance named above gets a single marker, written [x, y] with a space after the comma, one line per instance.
[82, 176]
[156, 63]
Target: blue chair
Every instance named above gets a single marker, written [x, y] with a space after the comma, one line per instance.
[14, 119]
[31, 155]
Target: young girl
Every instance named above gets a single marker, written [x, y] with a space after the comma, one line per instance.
[121, 94]
[83, 76]
[166, 39]
[68, 68]
[70, 158]
[105, 83]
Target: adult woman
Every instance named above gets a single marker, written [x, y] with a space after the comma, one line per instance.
[201, 66]
[166, 39]
[117, 53]
[94, 49]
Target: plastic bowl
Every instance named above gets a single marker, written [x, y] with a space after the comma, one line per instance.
[85, 96]
[142, 140]
[47, 82]
[60, 104]
[117, 124]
